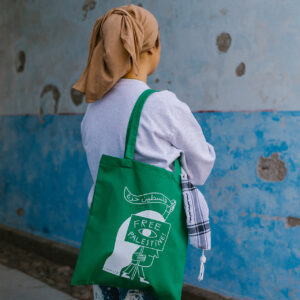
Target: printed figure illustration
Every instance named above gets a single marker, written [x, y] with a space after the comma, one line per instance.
[140, 237]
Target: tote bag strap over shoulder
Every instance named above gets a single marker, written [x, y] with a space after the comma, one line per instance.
[133, 125]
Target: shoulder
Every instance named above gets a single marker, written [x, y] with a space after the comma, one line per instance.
[167, 100]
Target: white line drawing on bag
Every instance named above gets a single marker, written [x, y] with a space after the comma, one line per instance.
[152, 197]
[140, 237]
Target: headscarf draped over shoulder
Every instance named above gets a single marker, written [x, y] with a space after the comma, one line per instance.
[120, 34]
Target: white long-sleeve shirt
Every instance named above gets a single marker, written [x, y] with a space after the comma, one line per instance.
[167, 127]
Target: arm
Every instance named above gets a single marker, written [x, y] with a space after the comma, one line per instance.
[198, 155]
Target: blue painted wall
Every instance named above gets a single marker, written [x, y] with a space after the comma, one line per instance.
[253, 191]
[255, 248]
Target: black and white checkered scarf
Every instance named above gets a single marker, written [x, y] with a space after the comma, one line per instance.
[197, 219]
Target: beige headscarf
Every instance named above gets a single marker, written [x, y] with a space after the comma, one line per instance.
[121, 33]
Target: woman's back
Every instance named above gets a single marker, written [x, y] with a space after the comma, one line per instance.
[167, 127]
[124, 49]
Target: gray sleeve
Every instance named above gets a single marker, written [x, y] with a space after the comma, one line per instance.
[198, 156]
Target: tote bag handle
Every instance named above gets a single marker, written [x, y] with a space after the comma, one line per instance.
[133, 125]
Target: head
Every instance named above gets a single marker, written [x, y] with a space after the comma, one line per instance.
[149, 60]
[124, 42]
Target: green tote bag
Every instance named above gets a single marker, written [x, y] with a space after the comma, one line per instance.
[136, 235]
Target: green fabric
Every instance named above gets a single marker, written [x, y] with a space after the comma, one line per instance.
[136, 236]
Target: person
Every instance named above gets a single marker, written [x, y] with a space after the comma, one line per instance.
[124, 49]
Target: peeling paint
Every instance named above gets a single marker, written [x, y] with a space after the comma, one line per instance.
[223, 11]
[87, 6]
[263, 98]
[76, 96]
[238, 240]
[55, 94]
[271, 169]
[20, 61]
[41, 113]
[240, 69]
[266, 217]
[20, 212]
[239, 139]
[223, 41]
[292, 221]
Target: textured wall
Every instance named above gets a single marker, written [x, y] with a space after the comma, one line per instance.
[241, 55]
[44, 181]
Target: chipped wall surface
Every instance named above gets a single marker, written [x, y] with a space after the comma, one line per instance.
[44, 183]
[241, 55]
[271, 169]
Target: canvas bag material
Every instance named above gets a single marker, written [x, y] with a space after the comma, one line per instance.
[136, 235]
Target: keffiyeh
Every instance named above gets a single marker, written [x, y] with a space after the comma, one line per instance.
[197, 219]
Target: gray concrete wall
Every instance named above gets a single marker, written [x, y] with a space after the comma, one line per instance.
[229, 55]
